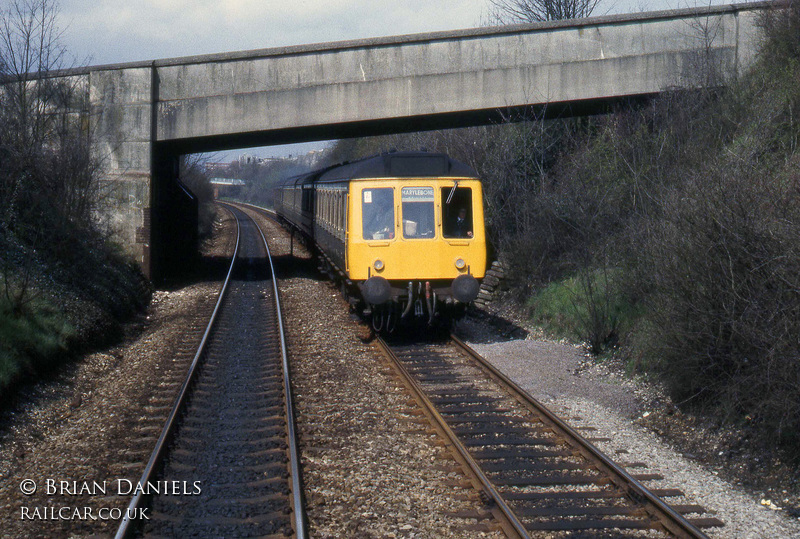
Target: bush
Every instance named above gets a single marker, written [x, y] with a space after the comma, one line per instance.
[194, 177]
[720, 267]
[724, 280]
[61, 286]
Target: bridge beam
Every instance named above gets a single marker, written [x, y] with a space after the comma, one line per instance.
[450, 73]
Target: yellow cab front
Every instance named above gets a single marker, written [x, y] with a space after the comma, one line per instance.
[416, 229]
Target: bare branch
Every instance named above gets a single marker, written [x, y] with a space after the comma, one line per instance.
[525, 11]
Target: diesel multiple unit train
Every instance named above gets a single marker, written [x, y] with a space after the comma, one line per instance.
[403, 232]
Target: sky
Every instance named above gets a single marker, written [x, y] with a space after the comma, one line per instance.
[99, 32]
[111, 31]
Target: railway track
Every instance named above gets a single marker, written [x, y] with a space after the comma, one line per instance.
[226, 462]
[540, 475]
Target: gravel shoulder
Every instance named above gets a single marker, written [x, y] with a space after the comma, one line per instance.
[590, 394]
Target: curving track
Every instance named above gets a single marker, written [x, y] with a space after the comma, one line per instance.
[226, 464]
[541, 475]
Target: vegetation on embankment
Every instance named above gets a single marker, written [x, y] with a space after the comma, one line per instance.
[696, 199]
[60, 297]
[63, 285]
[668, 232]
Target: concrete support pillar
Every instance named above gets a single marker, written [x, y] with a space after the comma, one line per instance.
[151, 215]
[121, 105]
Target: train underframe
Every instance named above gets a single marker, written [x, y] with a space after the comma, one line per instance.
[417, 304]
[389, 305]
[418, 310]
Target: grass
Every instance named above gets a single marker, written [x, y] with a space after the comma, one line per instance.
[554, 310]
[588, 307]
[30, 341]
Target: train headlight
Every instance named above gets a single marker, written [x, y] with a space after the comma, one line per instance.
[460, 264]
[378, 265]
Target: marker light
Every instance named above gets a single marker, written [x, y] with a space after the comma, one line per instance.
[460, 264]
[378, 265]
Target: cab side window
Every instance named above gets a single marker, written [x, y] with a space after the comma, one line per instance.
[457, 212]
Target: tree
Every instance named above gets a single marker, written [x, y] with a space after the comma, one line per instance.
[526, 11]
[49, 188]
[44, 128]
[193, 175]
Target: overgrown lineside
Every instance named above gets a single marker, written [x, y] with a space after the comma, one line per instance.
[63, 285]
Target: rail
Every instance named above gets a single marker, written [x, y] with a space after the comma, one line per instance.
[300, 519]
[128, 525]
[672, 521]
[511, 523]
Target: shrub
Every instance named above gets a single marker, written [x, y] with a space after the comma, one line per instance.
[720, 267]
[724, 280]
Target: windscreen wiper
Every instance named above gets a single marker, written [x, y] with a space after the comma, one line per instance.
[452, 192]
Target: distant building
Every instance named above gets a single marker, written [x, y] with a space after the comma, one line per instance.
[216, 167]
[247, 159]
[310, 160]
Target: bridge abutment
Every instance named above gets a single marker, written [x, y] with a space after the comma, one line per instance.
[121, 103]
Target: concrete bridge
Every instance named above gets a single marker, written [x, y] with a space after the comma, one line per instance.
[149, 113]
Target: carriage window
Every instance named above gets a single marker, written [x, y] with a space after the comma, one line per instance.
[328, 209]
[456, 212]
[341, 211]
[345, 209]
[336, 211]
[418, 214]
[377, 209]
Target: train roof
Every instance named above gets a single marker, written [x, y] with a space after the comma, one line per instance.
[399, 165]
[301, 179]
[387, 165]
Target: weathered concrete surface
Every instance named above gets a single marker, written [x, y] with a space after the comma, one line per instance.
[149, 112]
[121, 101]
[415, 76]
